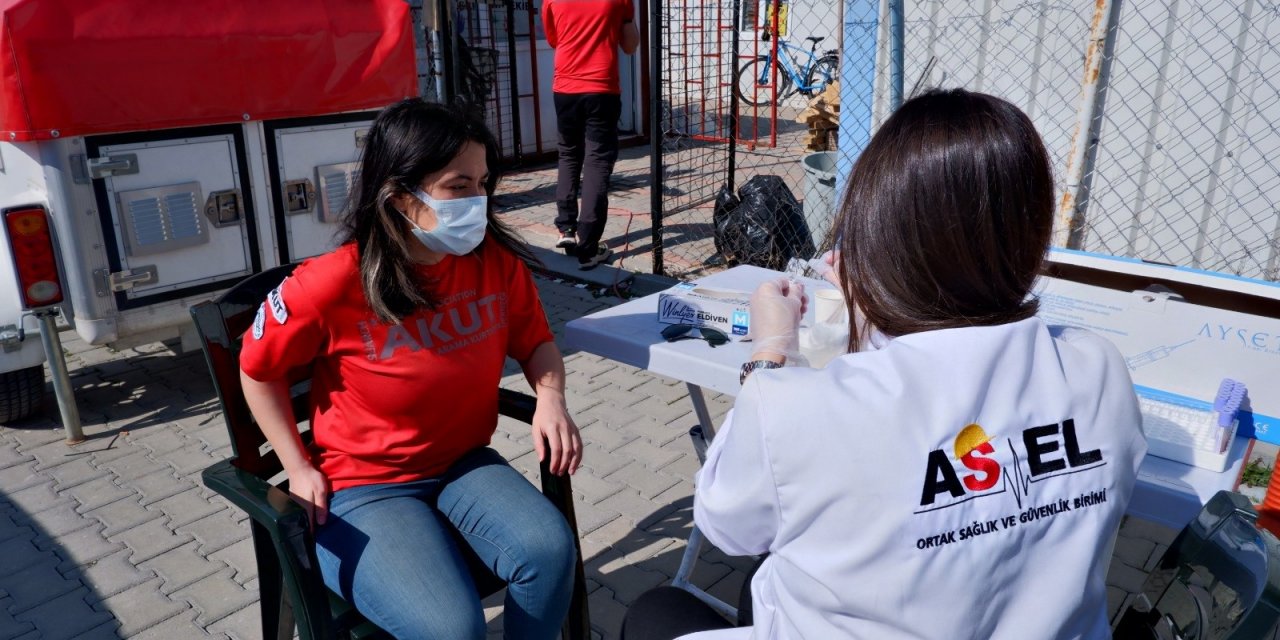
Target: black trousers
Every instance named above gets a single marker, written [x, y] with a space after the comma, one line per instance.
[588, 126]
[666, 613]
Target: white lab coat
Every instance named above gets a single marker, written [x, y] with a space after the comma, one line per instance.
[886, 518]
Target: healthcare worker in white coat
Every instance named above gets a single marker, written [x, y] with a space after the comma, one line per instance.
[962, 472]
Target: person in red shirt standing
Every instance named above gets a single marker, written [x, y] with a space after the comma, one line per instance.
[586, 35]
[405, 329]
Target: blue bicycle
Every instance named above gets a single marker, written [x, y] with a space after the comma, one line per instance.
[754, 79]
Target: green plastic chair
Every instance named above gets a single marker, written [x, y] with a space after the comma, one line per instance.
[291, 589]
[1219, 579]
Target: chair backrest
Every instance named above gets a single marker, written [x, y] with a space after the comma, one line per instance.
[1210, 579]
[221, 324]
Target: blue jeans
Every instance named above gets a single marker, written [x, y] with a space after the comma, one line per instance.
[410, 556]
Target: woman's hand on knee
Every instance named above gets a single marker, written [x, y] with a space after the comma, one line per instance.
[309, 487]
[562, 443]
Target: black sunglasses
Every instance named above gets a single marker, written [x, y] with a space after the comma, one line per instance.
[676, 332]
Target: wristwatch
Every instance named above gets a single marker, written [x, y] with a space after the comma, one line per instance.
[748, 367]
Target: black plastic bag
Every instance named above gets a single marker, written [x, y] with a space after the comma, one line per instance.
[767, 228]
[724, 223]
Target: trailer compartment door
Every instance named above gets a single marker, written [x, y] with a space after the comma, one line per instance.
[313, 166]
[175, 212]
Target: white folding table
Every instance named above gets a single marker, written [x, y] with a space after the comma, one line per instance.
[1167, 493]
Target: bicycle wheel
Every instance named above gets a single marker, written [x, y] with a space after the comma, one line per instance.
[754, 93]
[823, 72]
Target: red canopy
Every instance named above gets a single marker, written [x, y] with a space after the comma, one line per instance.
[77, 67]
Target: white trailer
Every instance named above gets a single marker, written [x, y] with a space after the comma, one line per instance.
[168, 164]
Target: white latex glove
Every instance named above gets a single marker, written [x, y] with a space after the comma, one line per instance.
[776, 308]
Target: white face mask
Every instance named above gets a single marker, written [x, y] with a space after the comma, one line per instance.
[460, 223]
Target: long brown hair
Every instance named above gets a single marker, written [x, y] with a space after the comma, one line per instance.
[410, 140]
[946, 218]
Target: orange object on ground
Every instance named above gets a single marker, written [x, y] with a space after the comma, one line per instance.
[1269, 510]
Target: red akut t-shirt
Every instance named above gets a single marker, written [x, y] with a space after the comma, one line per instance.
[395, 403]
[585, 35]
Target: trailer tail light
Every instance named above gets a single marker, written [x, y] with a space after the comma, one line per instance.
[31, 241]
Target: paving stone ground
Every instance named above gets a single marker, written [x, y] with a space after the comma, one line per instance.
[118, 538]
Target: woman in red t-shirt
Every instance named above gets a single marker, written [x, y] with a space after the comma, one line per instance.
[405, 328]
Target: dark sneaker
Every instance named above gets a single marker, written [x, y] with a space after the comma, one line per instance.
[566, 241]
[602, 256]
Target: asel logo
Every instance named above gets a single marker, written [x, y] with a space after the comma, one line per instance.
[974, 450]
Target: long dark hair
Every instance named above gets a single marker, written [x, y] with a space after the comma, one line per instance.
[947, 217]
[408, 141]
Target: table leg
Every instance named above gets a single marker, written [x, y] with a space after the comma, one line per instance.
[701, 435]
[681, 580]
[700, 411]
[699, 443]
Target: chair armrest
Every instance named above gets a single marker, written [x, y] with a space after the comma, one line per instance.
[557, 489]
[264, 502]
[266, 505]
[291, 545]
[517, 405]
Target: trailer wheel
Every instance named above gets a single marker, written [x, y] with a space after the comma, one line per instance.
[21, 393]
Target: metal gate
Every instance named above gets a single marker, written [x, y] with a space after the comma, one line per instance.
[694, 44]
[483, 61]
[741, 93]
[500, 64]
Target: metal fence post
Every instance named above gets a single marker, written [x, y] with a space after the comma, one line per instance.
[1069, 225]
[774, 63]
[733, 99]
[897, 46]
[658, 181]
[452, 70]
[860, 24]
[517, 146]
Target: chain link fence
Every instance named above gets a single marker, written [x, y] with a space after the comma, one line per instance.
[1029, 53]
[737, 80]
[1182, 172]
[1156, 114]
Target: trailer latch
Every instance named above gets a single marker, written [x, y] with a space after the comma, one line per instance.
[117, 165]
[106, 282]
[223, 208]
[299, 196]
[10, 337]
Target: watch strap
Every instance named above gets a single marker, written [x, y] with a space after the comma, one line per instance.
[752, 365]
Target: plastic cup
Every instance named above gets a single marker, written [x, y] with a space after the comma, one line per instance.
[828, 305]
